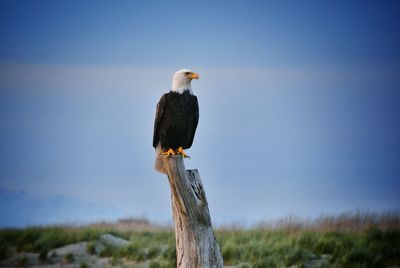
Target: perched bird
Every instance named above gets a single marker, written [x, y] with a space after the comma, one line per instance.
[176, 119]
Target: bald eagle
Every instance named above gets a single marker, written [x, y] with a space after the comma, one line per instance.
[176, 119]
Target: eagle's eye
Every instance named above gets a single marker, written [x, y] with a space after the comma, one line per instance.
[187, 73]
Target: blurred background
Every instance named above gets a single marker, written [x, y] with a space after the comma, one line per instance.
[299, 107]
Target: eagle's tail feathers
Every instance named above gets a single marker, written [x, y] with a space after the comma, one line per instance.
[159, 164]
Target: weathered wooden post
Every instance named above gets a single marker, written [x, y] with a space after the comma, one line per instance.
[196, 245]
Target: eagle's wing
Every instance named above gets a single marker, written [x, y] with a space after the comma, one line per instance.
[192, 131]
[161, 106]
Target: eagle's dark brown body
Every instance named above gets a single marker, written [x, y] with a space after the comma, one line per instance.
[176, 120]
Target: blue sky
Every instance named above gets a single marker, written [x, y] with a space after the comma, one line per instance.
[299, 105]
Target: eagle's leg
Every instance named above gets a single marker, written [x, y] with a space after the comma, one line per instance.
[182, 152]
[169, 152]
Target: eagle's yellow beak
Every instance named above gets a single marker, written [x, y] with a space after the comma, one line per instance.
[193, 76]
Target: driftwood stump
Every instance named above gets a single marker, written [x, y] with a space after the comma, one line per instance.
[196, 245]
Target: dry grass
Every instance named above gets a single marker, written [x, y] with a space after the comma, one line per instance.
[129, 224]
[357, 221]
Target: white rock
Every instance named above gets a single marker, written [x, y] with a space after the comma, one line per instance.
[113, 241]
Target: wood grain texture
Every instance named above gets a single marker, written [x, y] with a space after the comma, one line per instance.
[196, 245]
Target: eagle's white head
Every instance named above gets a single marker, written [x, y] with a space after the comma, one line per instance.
[182, 79]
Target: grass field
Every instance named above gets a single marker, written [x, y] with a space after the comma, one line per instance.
[349, 240]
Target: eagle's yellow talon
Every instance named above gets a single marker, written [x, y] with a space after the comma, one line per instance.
[182, 152]
[168, 153]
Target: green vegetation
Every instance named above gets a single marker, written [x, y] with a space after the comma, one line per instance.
[43, 255]
[369, 245]
[84, 265]
[40, 239]
[69, 258]
[370, 248]
[156, 246]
